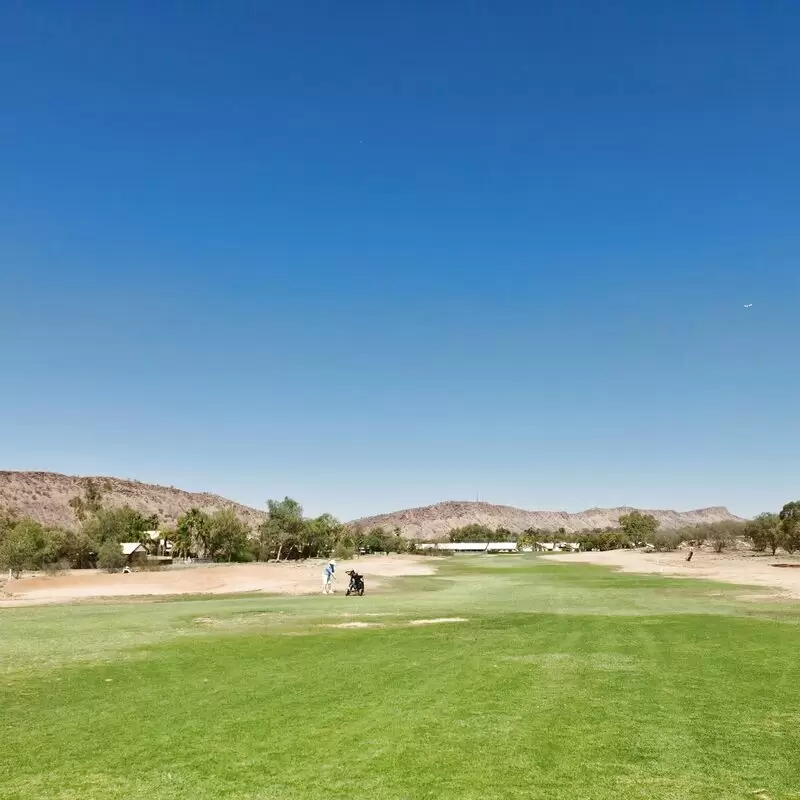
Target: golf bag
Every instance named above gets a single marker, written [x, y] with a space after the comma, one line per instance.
[356, 583]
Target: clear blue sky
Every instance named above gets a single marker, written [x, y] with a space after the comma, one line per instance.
[374, 255]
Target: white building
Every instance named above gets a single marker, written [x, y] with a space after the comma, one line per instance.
[502, 547]
[556, 547]
[473, 547]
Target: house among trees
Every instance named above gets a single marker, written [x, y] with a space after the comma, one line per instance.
[134, 552]
[163, 547]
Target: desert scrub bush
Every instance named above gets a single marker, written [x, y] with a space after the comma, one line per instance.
[343, 551]
[666, 541]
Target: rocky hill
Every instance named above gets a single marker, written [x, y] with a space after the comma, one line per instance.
[432, 522]
[45, 496]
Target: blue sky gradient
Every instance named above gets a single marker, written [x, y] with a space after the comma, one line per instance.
[374, 255]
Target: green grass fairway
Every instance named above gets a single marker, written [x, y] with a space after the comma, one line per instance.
[567, 681]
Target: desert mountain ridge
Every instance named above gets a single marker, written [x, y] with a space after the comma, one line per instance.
[45, 496]
[431, 522]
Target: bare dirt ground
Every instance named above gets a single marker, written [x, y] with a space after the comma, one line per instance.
[746, 568]
[287, 578]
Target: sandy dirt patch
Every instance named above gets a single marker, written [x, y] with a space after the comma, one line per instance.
[437, 621]
[748, 569]
[288, 578]
[355, 624]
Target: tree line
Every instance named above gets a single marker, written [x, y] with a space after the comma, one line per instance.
[287, 534]
[770, 531]
[95, 541]
[767, 531]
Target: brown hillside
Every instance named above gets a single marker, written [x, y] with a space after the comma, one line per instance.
[45, 496]
[432, 522]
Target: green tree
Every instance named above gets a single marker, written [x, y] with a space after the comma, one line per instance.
[356, 534]
[165, 535]
[110, 556]
[399, 544]
[283, 529]
[722, 535]
[603, 539]
[266, 543]
[343, 550]
[666, 541]
[78, 549]
[699, 534]
[8, 519]
[765, 531]
[193, 534]
[472, 533]
[182, 540]
[379, 540]
[532, 536]
[28, 545]
[376, 540]
[117, 525]
[790, 525]
[324, 533]
[15, 554]
[756, 536]
[228, 536]
[639, 528]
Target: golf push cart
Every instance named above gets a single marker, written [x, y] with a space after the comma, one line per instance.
[356, 583]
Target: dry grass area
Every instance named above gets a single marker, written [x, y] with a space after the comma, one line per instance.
[755, 569]
[288, 578]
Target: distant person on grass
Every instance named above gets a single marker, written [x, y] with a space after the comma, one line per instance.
[328, 577]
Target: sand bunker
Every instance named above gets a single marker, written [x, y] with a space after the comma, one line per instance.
[749, 568]
[295, 578]
[413, 622]
[355, 624]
